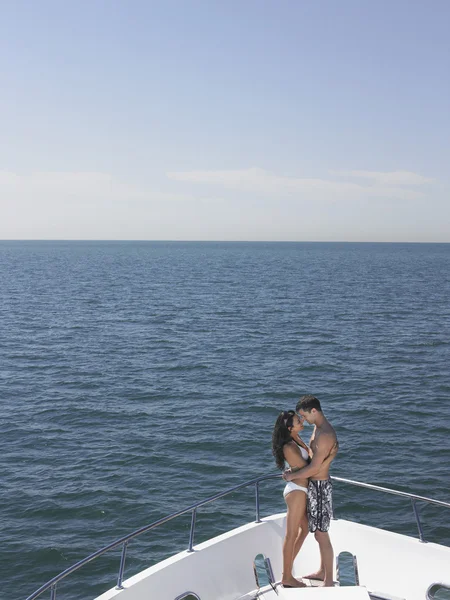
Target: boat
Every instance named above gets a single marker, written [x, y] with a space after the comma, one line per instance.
[245, 564]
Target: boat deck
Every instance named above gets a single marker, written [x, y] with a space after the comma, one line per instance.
[313, 593]
[246, 563]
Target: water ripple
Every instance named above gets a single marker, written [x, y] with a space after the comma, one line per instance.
[130, 370]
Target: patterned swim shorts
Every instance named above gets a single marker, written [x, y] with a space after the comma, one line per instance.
[320, 505]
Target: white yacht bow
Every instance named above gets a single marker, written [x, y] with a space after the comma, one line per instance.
[246, 563]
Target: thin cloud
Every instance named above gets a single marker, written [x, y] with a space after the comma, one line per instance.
[384, 185]
[65, 185]
[250, 204]
[72, 205]
[389, 178]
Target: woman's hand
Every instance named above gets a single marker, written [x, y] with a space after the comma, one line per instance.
[290, 474]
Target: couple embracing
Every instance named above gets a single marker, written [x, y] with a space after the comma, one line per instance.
[308, 492]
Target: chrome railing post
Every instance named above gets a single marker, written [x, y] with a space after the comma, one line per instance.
[53, 592]
[258, 520]
[355, 569]
[419, 525]
[119, 585]
[191, 535]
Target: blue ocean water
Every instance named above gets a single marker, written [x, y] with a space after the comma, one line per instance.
[139, 377]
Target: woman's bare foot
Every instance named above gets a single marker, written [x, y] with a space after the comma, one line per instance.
[326, 584]
[292, 583]
[319, 575]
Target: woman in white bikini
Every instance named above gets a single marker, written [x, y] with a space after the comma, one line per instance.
[288, 447]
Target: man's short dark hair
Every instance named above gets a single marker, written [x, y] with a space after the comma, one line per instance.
[307, 403]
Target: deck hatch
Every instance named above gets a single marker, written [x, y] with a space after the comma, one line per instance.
[347, 569]
[262, 571]
[438, 591]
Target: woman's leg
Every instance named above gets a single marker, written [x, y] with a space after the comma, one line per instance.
[296, 509]
[302, 533]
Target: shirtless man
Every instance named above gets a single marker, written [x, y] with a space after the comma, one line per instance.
[323, 445]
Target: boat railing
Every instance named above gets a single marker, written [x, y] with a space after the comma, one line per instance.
[124, 541]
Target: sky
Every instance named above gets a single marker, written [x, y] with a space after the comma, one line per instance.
[296, 120]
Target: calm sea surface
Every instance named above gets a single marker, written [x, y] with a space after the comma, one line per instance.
[137, 378]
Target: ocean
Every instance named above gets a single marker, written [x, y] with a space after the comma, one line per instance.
[139, 377]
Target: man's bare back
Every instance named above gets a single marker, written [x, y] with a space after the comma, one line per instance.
[324, 438]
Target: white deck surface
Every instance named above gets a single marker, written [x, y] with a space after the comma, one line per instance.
[389, 564]
[313, 593]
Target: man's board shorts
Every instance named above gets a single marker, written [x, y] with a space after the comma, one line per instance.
[320, 505]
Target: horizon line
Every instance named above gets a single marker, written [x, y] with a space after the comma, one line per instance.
[220, 241]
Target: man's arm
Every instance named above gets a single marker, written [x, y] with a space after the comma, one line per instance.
[323, 451]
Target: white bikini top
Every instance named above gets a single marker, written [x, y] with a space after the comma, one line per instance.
[304, 453]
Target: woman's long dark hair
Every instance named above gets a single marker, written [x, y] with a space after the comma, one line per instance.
[281, 436]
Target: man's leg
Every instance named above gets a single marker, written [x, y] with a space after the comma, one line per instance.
[326, 557]
[320, 510]
[320, 574]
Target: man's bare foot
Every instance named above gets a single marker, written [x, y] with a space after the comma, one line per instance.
[319, 575]
[291, 582]
[326, 584]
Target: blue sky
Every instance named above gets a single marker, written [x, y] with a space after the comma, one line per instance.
[231, 120]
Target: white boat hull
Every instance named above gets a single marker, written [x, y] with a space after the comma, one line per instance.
[390, 566]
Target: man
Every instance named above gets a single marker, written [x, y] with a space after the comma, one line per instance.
[324, 445]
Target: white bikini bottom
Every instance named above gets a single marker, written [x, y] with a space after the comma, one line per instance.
[293, 487]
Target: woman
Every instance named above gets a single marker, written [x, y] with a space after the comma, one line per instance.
[288, 447]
